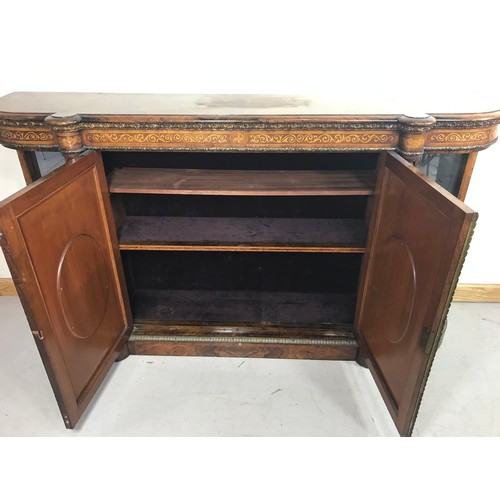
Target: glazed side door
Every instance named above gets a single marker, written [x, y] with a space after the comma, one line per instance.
[417, 241]
[59, 240]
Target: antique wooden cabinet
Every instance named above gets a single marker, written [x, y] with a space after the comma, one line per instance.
[222, 225]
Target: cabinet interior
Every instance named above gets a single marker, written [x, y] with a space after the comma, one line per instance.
[262, 239]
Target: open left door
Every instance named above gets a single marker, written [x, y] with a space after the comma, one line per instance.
[59, 240]
[417, 242]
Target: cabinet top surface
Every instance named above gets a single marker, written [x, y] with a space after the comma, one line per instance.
[36, 104]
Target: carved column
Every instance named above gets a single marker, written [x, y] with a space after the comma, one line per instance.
[413, 134]
[68, 132]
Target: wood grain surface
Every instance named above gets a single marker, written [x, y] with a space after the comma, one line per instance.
[242, 182]
[243, 234]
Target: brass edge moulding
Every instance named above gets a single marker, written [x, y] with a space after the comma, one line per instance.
[241, 340]
[230, 124]
[440, 330]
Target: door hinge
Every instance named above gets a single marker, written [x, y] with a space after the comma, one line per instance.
[38, 334]
[426, 339]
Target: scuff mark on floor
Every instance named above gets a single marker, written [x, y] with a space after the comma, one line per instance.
[491, 321]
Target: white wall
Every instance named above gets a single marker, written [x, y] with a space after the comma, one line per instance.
[394, 47]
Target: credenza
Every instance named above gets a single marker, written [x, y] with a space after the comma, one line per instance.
[237, 225]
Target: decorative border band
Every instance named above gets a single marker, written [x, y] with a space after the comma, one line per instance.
[239, 139]
[461, 138]
[27, 136]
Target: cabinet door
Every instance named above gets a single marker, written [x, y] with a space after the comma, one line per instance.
[59, 240]
[417, 242]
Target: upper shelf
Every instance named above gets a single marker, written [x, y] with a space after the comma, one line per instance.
[242, 182]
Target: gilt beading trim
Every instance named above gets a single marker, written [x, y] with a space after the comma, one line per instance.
[464, 124]
[241, 340]
[213, 125]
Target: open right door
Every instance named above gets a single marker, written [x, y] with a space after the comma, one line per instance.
[417, 243]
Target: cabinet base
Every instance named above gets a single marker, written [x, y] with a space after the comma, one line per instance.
[244, 341]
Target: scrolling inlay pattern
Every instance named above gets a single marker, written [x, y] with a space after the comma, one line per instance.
[463, 137]
[325, 138]
[156, 137]
[26, 136]
[241, 138]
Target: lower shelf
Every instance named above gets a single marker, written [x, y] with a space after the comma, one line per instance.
[257, 341]
[243, 307]
[243, 234]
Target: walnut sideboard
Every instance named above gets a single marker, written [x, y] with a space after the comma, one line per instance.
[225, 225]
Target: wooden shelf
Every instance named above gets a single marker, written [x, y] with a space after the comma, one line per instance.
[243, 234]
[242, 307]
[242, 182]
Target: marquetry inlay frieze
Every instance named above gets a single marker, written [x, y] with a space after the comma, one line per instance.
[242, 138]
[462, 137]
[406, 135]
[155, 137]
[351, 137]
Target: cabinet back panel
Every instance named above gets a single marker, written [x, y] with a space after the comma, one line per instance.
[242, 308]
[256, 271]
[334, 207]
[242, 161]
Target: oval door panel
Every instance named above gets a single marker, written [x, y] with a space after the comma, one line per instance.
[396, 285]
[403, 286]
[83, 286]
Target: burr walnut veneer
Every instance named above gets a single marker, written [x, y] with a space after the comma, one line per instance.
[265, 226]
